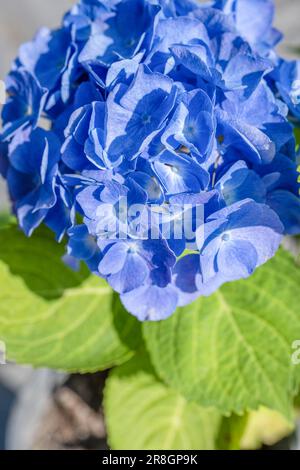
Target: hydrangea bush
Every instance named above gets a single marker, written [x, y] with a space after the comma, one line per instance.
[137, 115]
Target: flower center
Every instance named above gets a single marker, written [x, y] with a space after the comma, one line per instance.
[225, 237]
[146, 119]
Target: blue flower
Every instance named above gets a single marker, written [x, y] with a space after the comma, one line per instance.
[84, 14]
[169, 159]
[83, 247]
[105, 207]
[232, 243]
[51, 58]
[287, 80]
[172, 32]
[119, 34]
[242, 129]
[31, 177]
[178, 173]
[77, 134]
[136, 114]
[24, 106]
[239, 183]
[237, 66]
[106, 133]
[192, 125]
[184, 50]
[256, 28]
[151, 303]
[129, 264]
[62, 216]
[281, 199]
[281, 180]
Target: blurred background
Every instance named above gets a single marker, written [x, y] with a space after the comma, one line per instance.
[20, 19]
[26, 396]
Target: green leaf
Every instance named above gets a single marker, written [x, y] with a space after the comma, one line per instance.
[233, 349]
[297, 135]
[51, 316]
[38, 261]
[142, 413]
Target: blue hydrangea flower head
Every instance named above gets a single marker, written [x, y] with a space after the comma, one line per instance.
[156, 137]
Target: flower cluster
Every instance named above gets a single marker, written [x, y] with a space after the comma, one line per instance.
[181, 109]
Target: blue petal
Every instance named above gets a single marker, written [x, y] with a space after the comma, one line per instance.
[151, 303]
[287, 206]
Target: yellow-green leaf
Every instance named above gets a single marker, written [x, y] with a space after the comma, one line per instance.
[233, 350]
[51, 316]
[142, 413]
